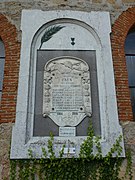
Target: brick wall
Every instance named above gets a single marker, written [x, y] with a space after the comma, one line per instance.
[119, 32]
[8, 34]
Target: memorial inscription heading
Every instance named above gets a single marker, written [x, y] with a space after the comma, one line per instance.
[66, 92]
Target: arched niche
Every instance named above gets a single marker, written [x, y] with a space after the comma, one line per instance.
[118, 37]
[12, 55]
[80, 35]
[72, 38]
[130, 62]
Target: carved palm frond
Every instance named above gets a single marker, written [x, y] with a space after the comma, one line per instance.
[49, 33]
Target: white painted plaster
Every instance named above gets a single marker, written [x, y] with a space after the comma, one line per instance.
[96, 28]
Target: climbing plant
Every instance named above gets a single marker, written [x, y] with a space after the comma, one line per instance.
[88, 166]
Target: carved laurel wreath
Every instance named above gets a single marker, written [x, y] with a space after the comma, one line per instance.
[49, 34]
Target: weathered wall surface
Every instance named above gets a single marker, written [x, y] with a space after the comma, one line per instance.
[12, 11]
[129, 140]
[5, 138]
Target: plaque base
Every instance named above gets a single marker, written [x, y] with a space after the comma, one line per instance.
[67, 131]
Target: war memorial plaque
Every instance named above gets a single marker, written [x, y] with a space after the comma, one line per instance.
[66, 92]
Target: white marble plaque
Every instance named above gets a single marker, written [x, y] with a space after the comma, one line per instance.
[67, 131]
[67, 95]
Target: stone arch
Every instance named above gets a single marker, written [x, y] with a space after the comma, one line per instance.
[120, 30]
[8, 34]
[90, 36]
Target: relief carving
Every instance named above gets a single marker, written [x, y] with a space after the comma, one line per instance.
[66, 91]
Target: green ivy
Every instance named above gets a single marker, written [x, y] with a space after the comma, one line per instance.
[88, 166]
[129, 172]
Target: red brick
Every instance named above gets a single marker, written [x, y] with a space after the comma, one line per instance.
[119, 32]
[8, 33]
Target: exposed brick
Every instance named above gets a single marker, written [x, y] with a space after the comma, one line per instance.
[119, 32]
[8, 33]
